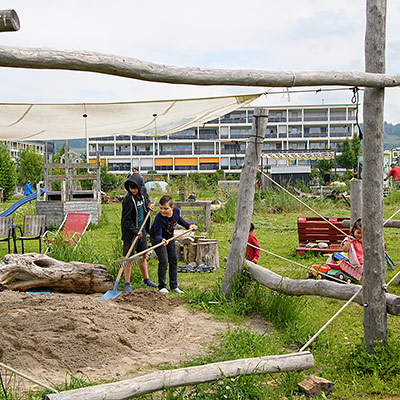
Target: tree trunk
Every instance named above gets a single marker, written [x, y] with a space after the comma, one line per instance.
[244, 208]
[32, 270]
[300, 287]
[355, 200]
[207, 253]
[375, 319]
[189, 376]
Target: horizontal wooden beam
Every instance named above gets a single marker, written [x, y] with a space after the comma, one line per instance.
[392, 223]
[189, 376]
[75, 60]
[300, 287]
[73, 177]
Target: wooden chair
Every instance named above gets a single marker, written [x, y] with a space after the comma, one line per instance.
[7, 231]
[33, 229]
[70, 231]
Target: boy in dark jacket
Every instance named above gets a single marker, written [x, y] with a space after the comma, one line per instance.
[135, 206]
[162, 230]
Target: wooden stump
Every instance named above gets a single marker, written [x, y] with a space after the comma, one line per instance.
[32, 270]
[178, 251]
[207, 252]
[187, 244]
[314, 385]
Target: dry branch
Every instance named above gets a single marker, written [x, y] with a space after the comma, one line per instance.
[32, 270]
[189, 376]
[300, 287]
[41, 58]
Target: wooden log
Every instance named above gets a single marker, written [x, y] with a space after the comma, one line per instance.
[192, 253]
[207, 253]
[178, 251]
[186, 244]
[244, 207]
[32, 270]
[300, 287]
[314, 385]
[374, 318]
[393, 223]
[355, 200]
[189, 376]
[81, 60]
[9, 21]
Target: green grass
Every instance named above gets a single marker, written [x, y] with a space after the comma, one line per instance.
[338, 351]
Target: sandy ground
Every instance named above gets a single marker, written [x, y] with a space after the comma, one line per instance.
[44, 336]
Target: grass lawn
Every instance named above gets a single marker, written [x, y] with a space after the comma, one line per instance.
[338, 354]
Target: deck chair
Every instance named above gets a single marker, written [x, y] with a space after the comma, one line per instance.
[70, 231]
[33, 229]
[7, 231]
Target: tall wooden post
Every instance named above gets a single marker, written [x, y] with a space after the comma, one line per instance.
[244, 208]
[375, 320]
[355, 200]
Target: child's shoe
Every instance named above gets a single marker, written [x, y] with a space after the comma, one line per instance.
[163, 290]
[148, 282]
[177, 290]
[127, 287]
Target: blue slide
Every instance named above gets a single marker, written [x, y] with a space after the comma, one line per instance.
[19, 203]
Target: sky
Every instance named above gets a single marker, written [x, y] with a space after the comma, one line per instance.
[285, 35]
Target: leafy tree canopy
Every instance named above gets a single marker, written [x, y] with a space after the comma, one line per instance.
[7, 172]
[351, 149]
[30, 167]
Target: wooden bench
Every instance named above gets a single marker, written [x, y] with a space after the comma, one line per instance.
[316, 230]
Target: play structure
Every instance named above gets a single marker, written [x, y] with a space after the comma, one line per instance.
[68, 196]
[21, 202]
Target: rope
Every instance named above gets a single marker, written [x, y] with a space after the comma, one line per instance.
[2, 385]
[28, 377]
[326, 325]
[391, 217]
[304, 204]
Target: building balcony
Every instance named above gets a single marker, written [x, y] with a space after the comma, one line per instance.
[240, 135]
[272, 135]
[295, 135]
[276, 119]
[106, 153]
[102, 139]
[142, 153]
[187, 136]
[186, 168]
[232, 151]
[165, 168]
[209, 167]
[175, 152]
[123, 153]
[205, 152]
[322, 118]
[295, 119]
[338, 118]
[205, 136]
[136, 138]
[238, 120]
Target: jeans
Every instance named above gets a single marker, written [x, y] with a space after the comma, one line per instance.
[167, 255]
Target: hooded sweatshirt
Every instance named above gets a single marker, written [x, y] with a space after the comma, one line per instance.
[129, 218]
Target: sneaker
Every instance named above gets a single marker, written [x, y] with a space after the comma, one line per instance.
[127, 287]
[164, 290]
[148, 282]
[177, 290]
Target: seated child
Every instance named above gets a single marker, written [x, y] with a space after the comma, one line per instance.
[352, 245]
[161, 230]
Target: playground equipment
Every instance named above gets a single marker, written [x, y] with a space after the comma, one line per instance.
[20, 202]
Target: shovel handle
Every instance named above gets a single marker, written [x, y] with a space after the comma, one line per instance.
[161, 243]
[135, 241]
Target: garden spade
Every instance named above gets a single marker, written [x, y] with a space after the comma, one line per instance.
[111, 294]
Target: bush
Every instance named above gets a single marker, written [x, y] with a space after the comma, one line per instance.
[7, 172]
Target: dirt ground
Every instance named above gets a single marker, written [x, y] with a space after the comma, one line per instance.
[44, 336]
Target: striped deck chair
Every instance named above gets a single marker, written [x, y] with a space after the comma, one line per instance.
[6, 231]
[33, 229]
[70, 231]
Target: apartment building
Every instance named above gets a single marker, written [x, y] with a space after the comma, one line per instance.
[38, 146]
[221, 143]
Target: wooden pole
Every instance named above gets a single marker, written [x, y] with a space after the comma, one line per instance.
[74, 60]
[9, 21]
[355, 200]
[189, 376]
[244, 208]
[374, 319]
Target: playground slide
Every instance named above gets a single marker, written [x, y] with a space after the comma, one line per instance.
[19, 203]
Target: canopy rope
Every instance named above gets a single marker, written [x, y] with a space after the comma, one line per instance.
[304, 204]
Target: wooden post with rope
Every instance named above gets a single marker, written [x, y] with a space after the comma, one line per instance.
[375, 318]
[244, 208]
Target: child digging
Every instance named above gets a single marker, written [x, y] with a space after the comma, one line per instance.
[135, 206]
[162, 230]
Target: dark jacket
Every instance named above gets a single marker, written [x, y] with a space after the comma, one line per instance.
[163, 227]
[129, 224]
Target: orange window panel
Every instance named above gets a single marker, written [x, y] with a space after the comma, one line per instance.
[209, 160]
[185, 161]
[162, 162]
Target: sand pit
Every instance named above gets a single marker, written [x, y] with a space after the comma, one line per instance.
[46, 335]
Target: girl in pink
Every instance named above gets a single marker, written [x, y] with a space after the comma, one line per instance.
[352, 245]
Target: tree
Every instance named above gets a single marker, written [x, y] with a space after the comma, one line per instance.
[30, 166]
[324, 166]
[7, 172]
[351, 149]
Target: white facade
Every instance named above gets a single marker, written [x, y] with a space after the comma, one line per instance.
[221, 144]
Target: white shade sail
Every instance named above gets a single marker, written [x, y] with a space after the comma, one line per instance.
[147, 118]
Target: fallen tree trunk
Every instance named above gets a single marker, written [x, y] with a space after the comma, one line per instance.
[189, 376]
[299, 287]
[393, 223]
[32, 270]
